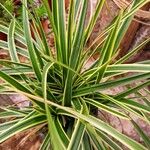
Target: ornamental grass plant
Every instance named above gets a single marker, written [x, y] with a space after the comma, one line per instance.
[62, 95]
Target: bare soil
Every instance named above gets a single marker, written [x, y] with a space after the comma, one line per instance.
[17, 142]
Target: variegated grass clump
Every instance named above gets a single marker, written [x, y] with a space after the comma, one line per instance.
[62, 94]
